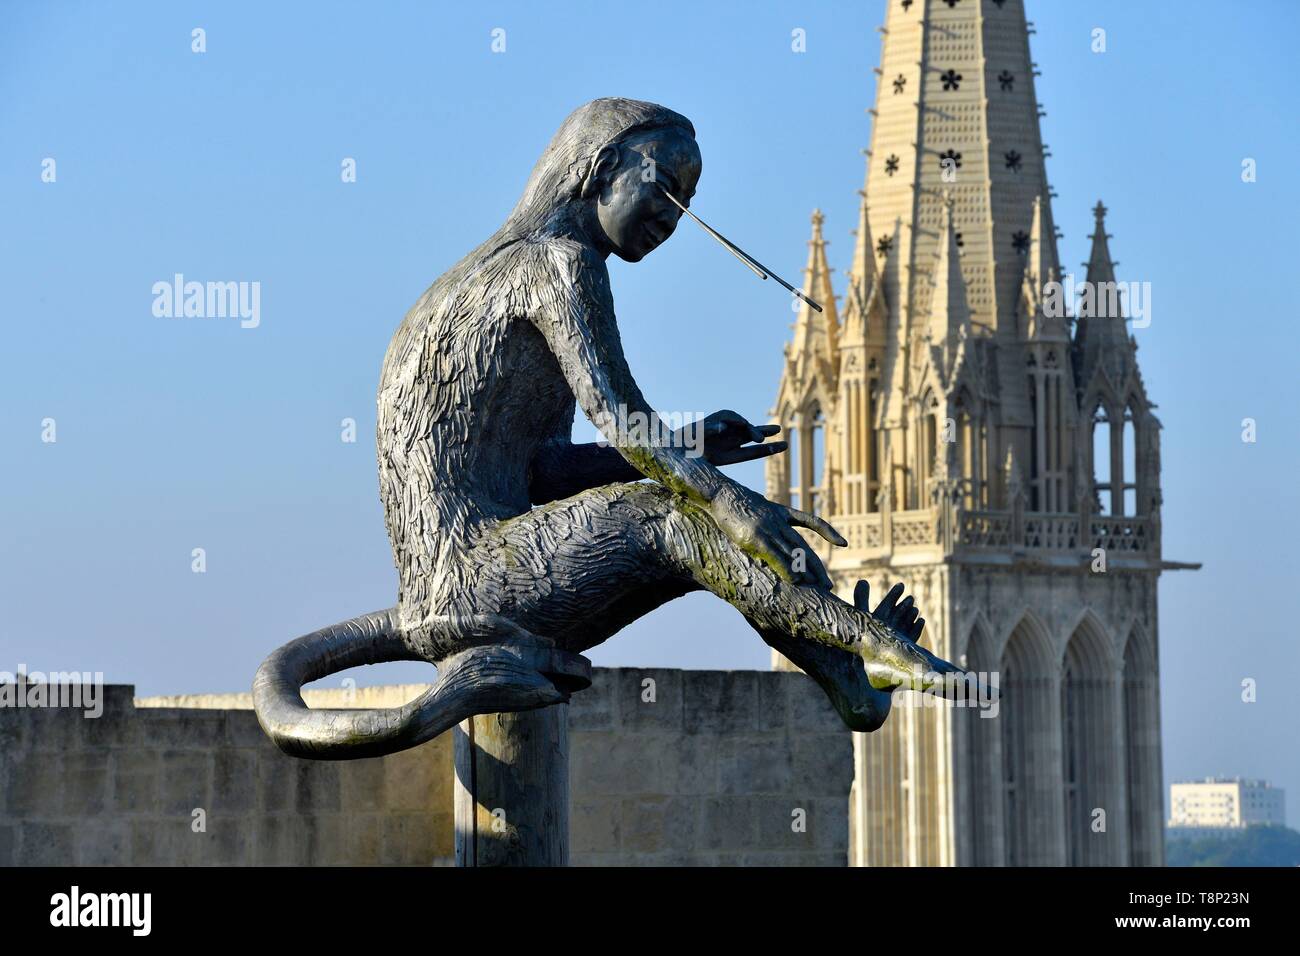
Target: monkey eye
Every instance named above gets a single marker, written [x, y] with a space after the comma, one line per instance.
[673, 191]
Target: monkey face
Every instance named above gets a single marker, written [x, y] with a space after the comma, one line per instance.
[628, 183]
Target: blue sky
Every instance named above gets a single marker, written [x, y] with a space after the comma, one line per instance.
[174, 435]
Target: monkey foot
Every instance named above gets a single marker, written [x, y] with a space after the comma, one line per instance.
[891, 652]
[860, 686]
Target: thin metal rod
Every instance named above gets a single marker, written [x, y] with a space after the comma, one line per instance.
[726, 243]
[758, 268]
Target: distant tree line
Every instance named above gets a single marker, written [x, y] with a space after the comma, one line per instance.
[1253, 846]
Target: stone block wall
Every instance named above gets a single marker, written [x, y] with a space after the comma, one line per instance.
[123, 788]
[671, 767]
[667, 767]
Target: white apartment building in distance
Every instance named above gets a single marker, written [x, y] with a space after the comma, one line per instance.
[1221, 803]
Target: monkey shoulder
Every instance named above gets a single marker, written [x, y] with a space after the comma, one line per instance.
[567, 273]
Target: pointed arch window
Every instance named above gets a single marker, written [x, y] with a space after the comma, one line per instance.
[986, 444]
[1029, 712]
[1101, 460]
[806, 433]
[855, 492]
[1071, 758]
[1049, 451]
[1036, 412]
[1116, 459]
[982, 740]
[814, 478]
[931, 450]
[926, 448]
[872, 448]
[1128, 458]
[1012, 758]
[969, 450]
[794, 469]
[1090, 770]
[1141, 724]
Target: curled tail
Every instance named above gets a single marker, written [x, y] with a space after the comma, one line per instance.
[481, 679]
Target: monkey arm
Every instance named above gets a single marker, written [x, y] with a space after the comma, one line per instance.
[561, 468]
[575, 314]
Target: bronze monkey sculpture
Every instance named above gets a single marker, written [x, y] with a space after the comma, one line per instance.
[517, 549]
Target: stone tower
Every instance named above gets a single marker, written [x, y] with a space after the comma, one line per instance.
[977, 436]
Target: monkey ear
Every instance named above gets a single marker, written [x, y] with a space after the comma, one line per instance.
[602, 169]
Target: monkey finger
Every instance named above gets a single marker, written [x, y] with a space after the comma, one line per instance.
[885, 609]
[802, 519]
[732, 456]
[751, 452]
[905, 607]
[814, 571]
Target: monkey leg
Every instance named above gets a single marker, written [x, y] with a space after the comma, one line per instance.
[580, 569]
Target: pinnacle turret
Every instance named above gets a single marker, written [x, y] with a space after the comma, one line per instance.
[1041, 262]
[1042, 298]
[816, 334]
[864, 312]
[950, 319]
[1100, 266]
[1101, 335]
